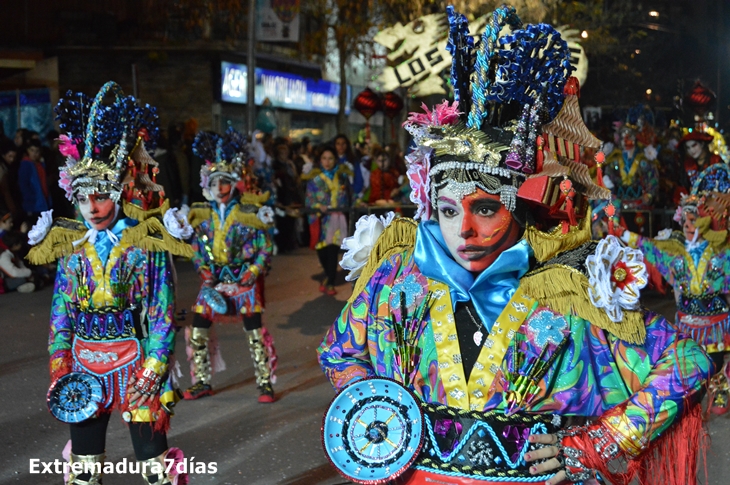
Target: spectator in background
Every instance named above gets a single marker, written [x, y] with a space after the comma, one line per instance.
[346, 156]
[9, 195]
[303, 156]
[12, 270]
[383, 179]
[21, 139]
[32, 180]
[288, 199]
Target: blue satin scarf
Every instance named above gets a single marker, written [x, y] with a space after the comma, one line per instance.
[103, 243]
[490, 290]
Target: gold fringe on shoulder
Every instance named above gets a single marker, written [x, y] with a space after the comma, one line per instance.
[137, 213]
[199, 212]
[57, 243]
[309, 176]
[249, 219]
[547, 245]
[717, 239]
[399, 236]
[670, 246]
[248, 198]
[151, 235]
[565, 290]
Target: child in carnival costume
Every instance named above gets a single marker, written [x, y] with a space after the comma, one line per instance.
[232, 255]
[112, 313]
[522, 338]
[696, 262]
[327, 199]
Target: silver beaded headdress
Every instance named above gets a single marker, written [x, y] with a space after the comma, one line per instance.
[105, 144]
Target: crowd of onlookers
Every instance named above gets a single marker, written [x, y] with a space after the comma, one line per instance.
[283, 168]
[30, 164]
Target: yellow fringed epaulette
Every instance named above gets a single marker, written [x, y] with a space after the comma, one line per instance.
[310, 175]
[249, 219]
[399, 236]
[563, 287]
[199, 212]
[249, 198]
[138, 214]
[58, 242]
[151, 235]
[547, 245]
[717, 239]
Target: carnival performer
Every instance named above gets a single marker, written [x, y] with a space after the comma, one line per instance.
[698, 157]
[232, 255]
[523, 339]
[112, 314]
[631, 174]
[327, 199]
[696, 263]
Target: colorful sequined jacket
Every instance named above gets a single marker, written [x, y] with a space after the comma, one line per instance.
[229, 246]
[236, 239]
[632, 178]
[325, 192]
[113, 287]
[700, 276]
[533, 313]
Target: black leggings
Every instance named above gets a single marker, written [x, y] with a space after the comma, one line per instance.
[89, 438]
[328, 258]
[250, 322]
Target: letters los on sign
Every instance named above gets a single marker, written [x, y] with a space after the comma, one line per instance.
[421, 44]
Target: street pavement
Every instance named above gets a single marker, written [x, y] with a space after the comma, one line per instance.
[251, 443]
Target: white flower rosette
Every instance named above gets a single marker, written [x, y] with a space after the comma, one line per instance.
[358, 246]
[664, 235]
[177, 224]
[266, 215]
[616, 275]
[41, 228]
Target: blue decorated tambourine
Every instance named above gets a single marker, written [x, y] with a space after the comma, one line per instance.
[215, 300]
[373, 430]
[75, 397]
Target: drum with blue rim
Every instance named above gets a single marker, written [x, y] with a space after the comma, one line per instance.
[373, 430]
[75, 397]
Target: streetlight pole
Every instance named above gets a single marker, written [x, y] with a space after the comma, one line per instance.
[251, 68]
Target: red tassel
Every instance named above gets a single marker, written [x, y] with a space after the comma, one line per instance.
[599, 157]
[566, 187]
[540, 154]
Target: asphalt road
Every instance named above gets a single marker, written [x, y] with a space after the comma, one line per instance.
[251, 443]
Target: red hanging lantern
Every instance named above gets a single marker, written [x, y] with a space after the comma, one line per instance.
[367, 103]
[700, 98]
[392, 106]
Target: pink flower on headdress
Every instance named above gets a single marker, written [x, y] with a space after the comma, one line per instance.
[442, 114]
[678, 215]
[419, 164]
[68, 147]
[65, 183]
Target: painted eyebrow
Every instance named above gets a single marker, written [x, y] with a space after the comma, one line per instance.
[489, 203]
[447, 200]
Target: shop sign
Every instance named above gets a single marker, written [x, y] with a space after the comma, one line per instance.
[284, 90]
[418, 55]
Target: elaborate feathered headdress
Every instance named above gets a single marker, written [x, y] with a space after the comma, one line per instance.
[225, 156]
[494, 137]
[106, 144]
